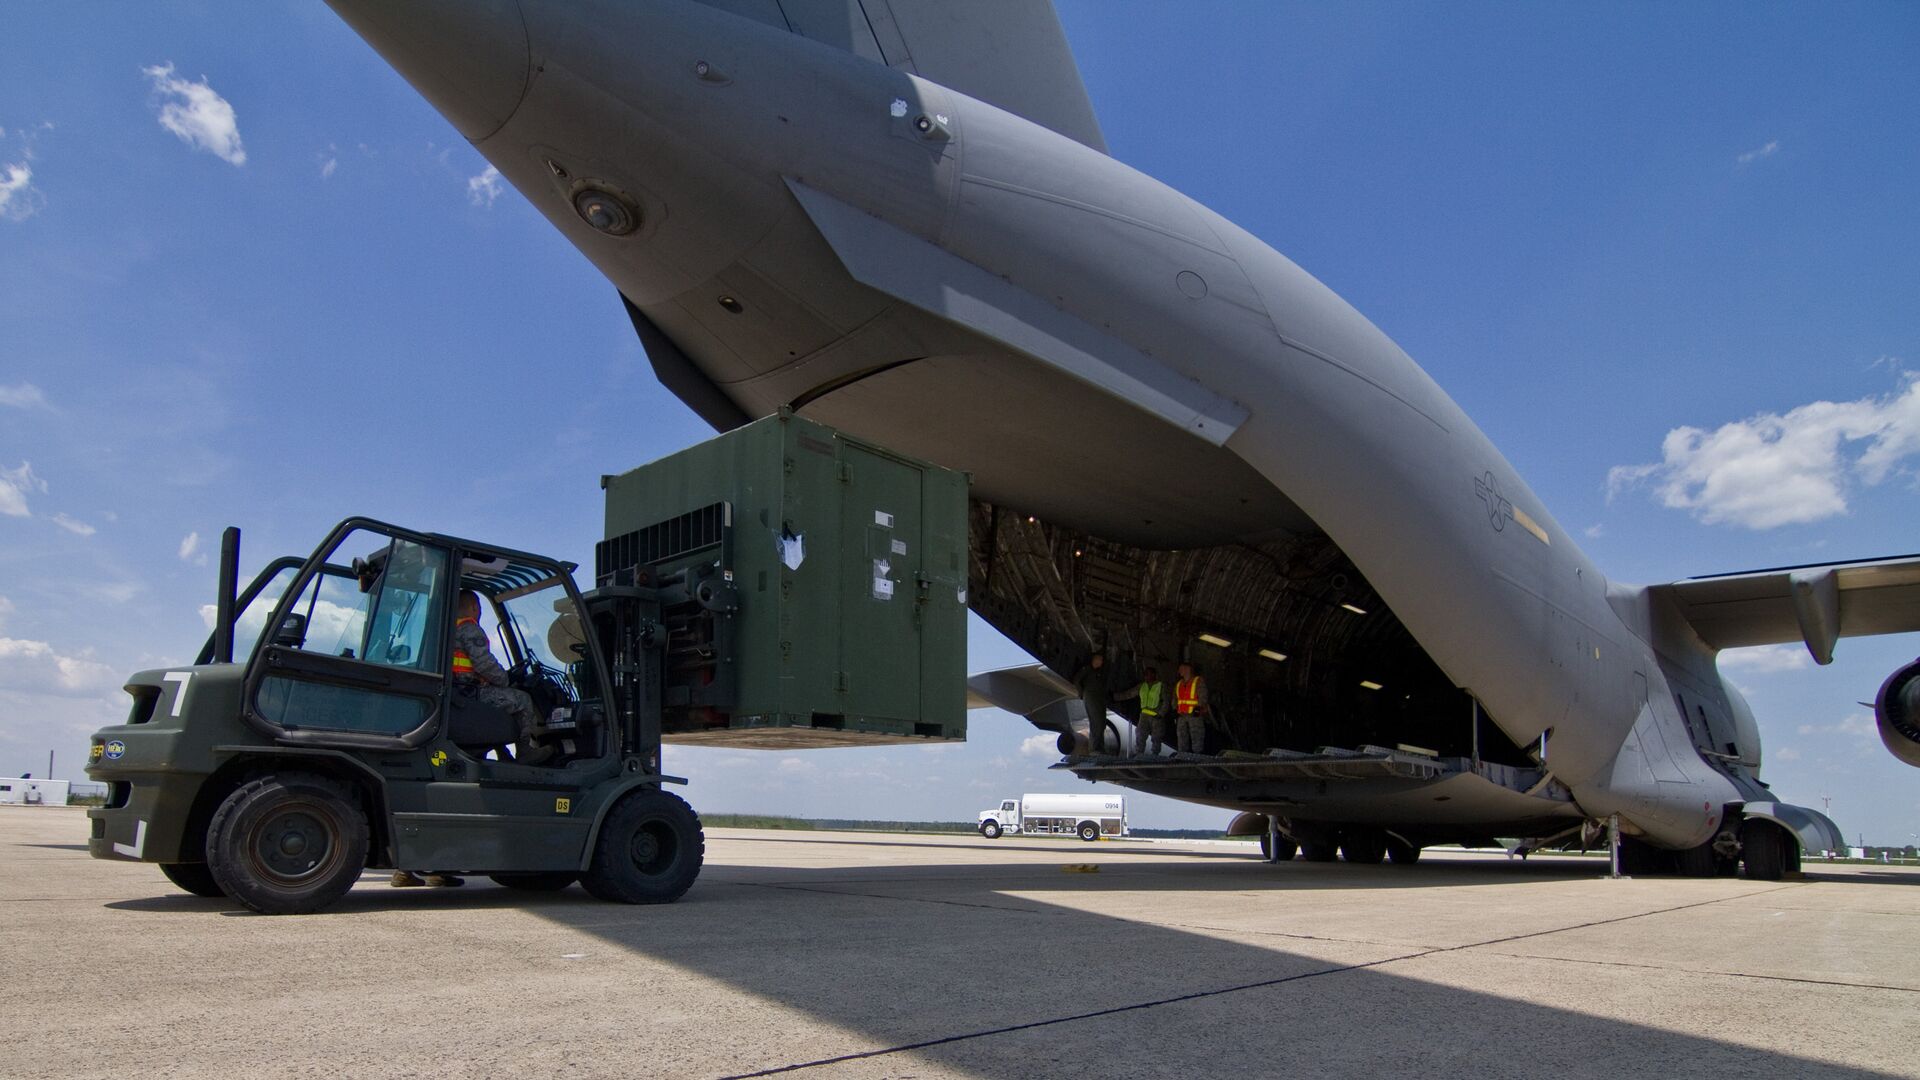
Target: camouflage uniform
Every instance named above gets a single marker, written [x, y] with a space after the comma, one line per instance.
[486, 679]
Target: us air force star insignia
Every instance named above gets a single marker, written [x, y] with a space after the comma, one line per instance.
[1498, 508]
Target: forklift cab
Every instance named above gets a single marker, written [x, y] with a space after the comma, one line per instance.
[355, 652]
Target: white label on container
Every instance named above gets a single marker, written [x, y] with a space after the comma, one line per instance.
[793, 550]
[882, 584]
[899, 547]
[883, 519]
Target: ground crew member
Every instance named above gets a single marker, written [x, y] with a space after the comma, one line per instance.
[1092, 684]
[1190, 711]
[478, 675]
[1153, 712]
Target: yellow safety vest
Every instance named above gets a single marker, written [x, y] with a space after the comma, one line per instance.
[1150, 698]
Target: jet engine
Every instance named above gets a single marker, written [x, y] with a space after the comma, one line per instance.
[1897, 708]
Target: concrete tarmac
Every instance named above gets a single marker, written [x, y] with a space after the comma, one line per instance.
[859, 955]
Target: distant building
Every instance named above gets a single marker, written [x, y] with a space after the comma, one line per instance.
[29, 792]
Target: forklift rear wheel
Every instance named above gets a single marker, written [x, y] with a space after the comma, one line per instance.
[287, 844]
[552, 881]
[1089, 831]
[193, 877]
[990, 830]
[1287, 848]
[1401, 852]
[649, 851]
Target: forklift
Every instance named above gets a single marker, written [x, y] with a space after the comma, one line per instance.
[783, 586]
[322, 731]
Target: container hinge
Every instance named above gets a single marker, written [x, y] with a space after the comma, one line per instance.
[846, 473]
[840, 680]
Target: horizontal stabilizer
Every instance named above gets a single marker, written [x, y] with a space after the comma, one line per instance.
[1048, 701]
[1817, 604]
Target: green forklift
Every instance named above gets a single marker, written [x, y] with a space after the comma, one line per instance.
[322, 731]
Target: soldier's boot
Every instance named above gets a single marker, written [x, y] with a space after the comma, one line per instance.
[443, 881]
[406, 879]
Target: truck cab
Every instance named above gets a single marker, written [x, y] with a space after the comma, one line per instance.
[323, 731]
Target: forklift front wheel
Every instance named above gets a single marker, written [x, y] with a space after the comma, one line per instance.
[287, 844]
[649, 851]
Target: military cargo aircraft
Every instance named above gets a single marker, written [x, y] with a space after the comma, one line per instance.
[898, 217]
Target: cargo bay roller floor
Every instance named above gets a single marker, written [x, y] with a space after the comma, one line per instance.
[856, 955]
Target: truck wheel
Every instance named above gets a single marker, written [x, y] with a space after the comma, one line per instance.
[1763, 851]
[194, 877]
[649, 851]
[1089, 831]
[990, 830]
[552, 881]
[287, 844]
[1401, 852]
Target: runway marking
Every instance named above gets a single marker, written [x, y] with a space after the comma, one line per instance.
[1199, 995]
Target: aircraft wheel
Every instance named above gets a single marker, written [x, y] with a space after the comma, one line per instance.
[1700, 861]
[1089, 831]
[1763, 851]
[649, 851]
[194, 877]
[990, 830]
[549, 881]
[1364, 846]
[1287, 848]
[1401, 852]
[287, 844]
[1319, 852]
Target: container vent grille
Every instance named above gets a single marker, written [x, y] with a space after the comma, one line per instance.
[616, 559]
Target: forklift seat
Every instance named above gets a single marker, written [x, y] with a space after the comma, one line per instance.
[476, 727]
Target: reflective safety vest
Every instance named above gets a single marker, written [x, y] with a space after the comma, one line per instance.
[462, 663]
[1150, 698]
[1186, 696]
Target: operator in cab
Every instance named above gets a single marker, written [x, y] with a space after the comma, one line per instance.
[478, 675]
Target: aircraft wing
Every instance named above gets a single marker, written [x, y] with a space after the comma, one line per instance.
[1816, 604]
[1045, 699]
[1009, 53]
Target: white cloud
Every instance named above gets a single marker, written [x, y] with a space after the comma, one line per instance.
[78, 528]
[15, 486]
[188, 545]
[1860, 725]
[6, 609]
[483, 189]
[36, 665]
[1771, 470]
[329, 160]
[1786, 753]
[1758, 152]
[1766, 659]
[1044, 745]
[19, 199]
[24, 396]
[201, 118]
[1595, 532]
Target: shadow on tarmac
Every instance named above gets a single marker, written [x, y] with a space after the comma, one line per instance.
[947, 962]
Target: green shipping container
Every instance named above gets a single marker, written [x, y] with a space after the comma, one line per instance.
[848, 571]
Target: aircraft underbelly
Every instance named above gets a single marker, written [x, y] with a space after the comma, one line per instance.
[1462, 801]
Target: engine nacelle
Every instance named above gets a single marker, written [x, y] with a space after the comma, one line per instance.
[1897, 708]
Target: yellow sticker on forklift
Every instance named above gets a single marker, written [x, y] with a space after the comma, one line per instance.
[439, 757]
[563, 806]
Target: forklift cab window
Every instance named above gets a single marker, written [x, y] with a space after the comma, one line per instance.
[375, 603]
[542, 635]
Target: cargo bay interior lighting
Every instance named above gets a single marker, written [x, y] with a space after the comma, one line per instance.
[1355, 610]
[1215, 640]
[1272, 655]
[1369, 684]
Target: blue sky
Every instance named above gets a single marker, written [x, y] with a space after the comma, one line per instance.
[1667, 256]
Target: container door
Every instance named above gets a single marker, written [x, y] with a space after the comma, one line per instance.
[881, 538]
